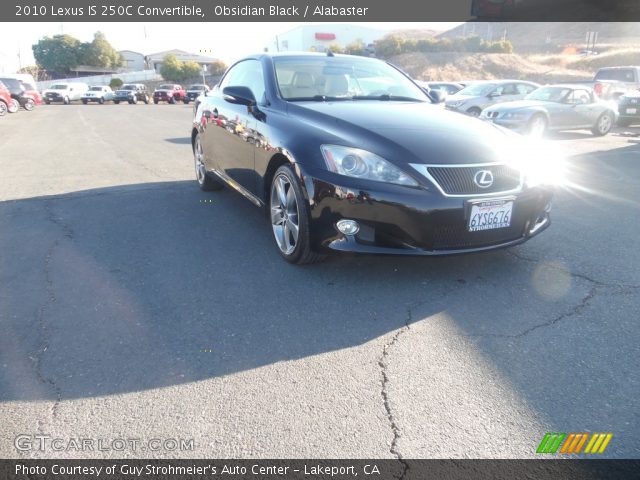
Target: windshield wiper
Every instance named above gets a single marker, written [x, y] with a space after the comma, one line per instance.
[317, 98]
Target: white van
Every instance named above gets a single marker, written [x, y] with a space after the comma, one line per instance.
[65, 92]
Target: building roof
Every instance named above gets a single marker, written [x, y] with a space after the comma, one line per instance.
[182, 55]
[130, 51]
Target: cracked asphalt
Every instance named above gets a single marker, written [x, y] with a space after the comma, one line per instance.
[134, 306]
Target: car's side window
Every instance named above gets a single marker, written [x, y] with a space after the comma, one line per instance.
[247, 73]
[509, 89]
[525, 89]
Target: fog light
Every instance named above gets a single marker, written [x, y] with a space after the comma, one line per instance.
[348, 227]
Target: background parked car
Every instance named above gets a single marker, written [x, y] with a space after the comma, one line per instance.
[480, 95]
[170, 93]
[65, 92]
[450, 88]
[19, 96]
[629, 108]
[5, 99]
[29, 85]
[194, 91]
[98, 93]
[131, 93]
[555, 107]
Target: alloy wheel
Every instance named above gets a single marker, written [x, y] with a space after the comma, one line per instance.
[198, 154]
[284, 214]
[604, 124]
[537, 127]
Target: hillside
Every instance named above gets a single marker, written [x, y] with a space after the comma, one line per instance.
[551, 37]
[487, 66]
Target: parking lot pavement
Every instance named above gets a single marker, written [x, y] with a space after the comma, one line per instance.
[135, 306]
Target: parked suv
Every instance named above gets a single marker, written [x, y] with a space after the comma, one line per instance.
[65, 92]
[170, 93]
[97, 93]
[194, 91]
[132, 93]
[629, 108]
[19, 95]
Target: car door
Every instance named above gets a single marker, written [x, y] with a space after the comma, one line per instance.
[586, 109]
[230, 127]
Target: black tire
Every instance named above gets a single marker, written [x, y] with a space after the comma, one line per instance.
[474, 112]
[155, 101]
[623, 122]
[29, 105]
[84, 102]
[117, 102]
[47, 102]
[172, 100]
[66, 100]
[603, 125]
[3, 108]
[302, 253]
[132, 102]
[206, 182]
[101, 100]
[14, 106]
[186, 100]
[146, 100]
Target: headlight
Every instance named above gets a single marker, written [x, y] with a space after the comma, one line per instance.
[353, 162]
[514, 116]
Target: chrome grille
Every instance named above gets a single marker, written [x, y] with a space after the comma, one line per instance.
[456, 180]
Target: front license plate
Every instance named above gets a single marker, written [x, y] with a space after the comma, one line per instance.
[631, 111]
[490, 214]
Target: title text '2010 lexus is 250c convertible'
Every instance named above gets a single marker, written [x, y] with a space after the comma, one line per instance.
[349, 154]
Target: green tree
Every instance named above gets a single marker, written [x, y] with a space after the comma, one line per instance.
[357, 47]
[34, 70]
[217, 68]
[100, 53]
[115, 83]
[171, 68]
[57, 54]
[190, 70]
[335, 48]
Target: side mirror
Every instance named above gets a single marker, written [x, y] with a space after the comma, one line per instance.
[436, 95]
[239, 95]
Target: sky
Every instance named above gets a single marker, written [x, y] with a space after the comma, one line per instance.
[227, 41]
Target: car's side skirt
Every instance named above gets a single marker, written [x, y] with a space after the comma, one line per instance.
[239, 188]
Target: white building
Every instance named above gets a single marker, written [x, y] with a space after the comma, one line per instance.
[317, 38]
[133, 61]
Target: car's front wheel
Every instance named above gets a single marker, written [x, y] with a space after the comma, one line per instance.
[66, 100]
[537, 126]
[290, 218]
[205, 181]
[474, 112]
[603, 125]
[14, 106]
[3, 109]
[29, 105]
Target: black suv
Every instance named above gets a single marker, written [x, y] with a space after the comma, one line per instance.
[132, 93]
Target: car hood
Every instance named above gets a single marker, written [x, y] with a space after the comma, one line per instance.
[55, 91]
[404, 132]
[518, 105]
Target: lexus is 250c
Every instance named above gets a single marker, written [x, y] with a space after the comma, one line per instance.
[349, 154]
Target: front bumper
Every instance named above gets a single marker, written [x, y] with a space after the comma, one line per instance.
[413, 221]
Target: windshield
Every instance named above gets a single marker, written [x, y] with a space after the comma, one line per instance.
[96, 89]
[60, 86]
[128, 87]
[477, 89]
[165, 87]
[619, 74]
[344, 78]
[549, 94]
[196, 87]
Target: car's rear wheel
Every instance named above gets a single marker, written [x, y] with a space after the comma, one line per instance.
[155, 101]
[3, 108]
[146, 100]
[172, 100]
[537, 126]
[205, 181]
[117, 102]
[290, 218]
[101, 100]
[48, 102]
[29, 105]
[84, 102]
[603, 125]
[474, 112]
[14, 106]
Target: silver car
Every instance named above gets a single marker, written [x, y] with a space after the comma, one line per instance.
[555, 107]
[480, 95]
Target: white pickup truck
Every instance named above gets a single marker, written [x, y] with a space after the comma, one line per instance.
[65, 92]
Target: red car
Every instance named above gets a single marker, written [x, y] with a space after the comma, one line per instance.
[31, 91]
[170, 93]
[5, 99]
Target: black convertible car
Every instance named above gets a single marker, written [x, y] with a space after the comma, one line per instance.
[349, 154]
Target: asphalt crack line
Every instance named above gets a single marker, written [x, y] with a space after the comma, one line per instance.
[383, 364]
[41, 320]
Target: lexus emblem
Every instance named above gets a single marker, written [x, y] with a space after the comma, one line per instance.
[483, 178]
